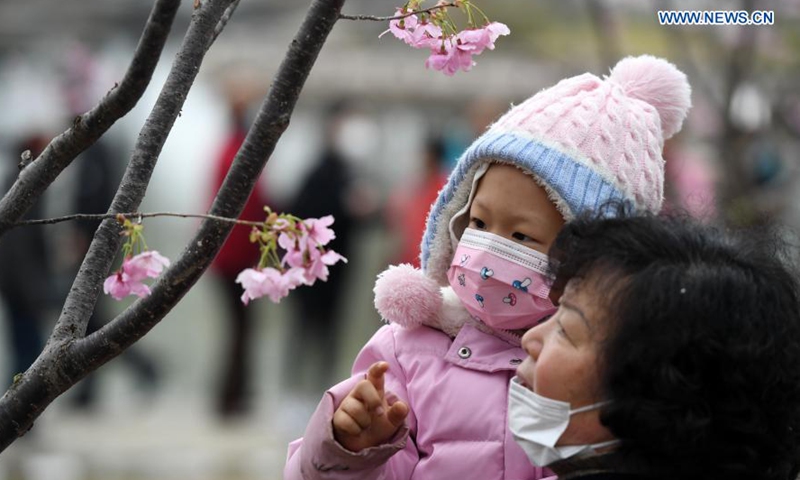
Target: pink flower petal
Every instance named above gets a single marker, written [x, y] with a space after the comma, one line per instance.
[121, 284]
[318, 230]
[330, 257]
[146, 264]
[451, 57]
[496, 29]
[267, 282]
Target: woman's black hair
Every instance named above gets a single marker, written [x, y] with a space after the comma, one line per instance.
[702, 357]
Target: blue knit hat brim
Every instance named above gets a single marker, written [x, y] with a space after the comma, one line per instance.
[576, 187]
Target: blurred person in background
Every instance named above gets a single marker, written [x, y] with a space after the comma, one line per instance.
[97, 178]
[332, 187]
[237, 254]
[408, 205]
[25, 277]
[690, 181]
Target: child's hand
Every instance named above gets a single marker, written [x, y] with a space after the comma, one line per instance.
[365, 417]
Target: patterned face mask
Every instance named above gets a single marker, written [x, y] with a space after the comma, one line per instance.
[500, 282]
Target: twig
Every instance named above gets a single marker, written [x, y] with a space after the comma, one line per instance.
[224, 20]
[397, 17]
[103, 216]
[87, 128]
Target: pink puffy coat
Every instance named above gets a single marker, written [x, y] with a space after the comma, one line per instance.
[457, 391]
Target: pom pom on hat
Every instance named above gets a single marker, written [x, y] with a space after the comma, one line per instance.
[659, 83]
[404, 295]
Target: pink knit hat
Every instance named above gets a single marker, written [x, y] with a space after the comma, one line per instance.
[586, 140]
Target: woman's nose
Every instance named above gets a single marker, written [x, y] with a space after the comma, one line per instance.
[533, 340]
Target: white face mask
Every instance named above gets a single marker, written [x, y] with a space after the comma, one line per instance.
[538, 422]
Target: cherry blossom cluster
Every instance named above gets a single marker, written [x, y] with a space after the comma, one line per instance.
[135, 268]
[305, 258]
[293, 253]
[450, 49]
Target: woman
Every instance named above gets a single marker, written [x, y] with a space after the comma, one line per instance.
[675, 353]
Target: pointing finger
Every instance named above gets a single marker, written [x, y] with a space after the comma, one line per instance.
[375, 375]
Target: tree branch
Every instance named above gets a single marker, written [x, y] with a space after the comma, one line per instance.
[396, 17]
[87, 128]
[64, 360]
[271, 122]
[103, 216]
[86, 287]
[224, 21]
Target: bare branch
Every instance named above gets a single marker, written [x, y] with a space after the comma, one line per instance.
[103, 216]
[64, 360]
[396, 17]
[224, 20]
[83, 295]
[87, 128]
[271, 122]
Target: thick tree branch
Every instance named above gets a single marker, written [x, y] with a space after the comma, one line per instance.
[87, 128]
[65, 361]
[103, 216]
[83, 295]
[271, 122]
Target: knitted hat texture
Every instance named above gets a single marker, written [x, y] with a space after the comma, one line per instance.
[586, 140]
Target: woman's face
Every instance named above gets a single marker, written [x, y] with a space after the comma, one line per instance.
[562, 362]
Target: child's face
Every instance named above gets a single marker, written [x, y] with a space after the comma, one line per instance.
[509, 203]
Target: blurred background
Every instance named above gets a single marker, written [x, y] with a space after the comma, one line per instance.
[216, 391]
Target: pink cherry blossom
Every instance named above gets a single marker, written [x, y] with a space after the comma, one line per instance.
[146, 264]
[478, 38]
[402, 28]
[426, 35]
[128, 279]
[451, 56]
[269, 282]
[496, 29]
[120, 285]
[484, 37]
[318, 268]
[295, 247]
[318, 230]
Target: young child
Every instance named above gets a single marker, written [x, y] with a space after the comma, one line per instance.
[428, 395]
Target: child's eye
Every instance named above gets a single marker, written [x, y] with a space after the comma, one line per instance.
[521, 237]
[477, 223]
